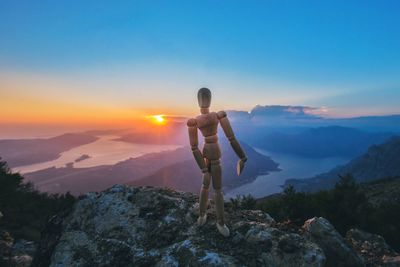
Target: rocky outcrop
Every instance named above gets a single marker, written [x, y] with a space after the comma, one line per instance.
[145, 226]
[372, 248]
[127, 226]
[337, 251]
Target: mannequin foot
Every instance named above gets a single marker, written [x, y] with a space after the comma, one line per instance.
[202, 219]
[223, 229]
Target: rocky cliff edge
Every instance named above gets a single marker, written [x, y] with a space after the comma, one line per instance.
[145, 226]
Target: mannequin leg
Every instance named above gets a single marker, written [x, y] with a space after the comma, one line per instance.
[218, 196]
[203, 199]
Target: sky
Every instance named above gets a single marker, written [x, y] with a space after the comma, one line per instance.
[83, 62]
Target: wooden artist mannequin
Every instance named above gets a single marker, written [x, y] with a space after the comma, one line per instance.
[208, 160]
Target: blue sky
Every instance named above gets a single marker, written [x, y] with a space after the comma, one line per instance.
[154, 55]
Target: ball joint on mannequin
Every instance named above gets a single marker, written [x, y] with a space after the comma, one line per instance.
[208, 159]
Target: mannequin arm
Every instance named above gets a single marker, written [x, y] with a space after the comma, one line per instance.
[194, 144]
[226, 126]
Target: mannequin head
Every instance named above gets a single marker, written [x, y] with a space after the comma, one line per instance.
[204, 98]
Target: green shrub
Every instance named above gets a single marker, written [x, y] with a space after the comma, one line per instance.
[243, 202]
[26, 210]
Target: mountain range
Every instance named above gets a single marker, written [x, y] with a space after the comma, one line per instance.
[186, 176]
[330, 141]
[19, 152]
[380, 161]
[294, 130]
[178, 169]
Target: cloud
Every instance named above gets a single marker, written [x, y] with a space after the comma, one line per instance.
[285, 111]
[173, 118]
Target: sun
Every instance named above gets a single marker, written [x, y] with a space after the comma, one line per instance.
[158, 119]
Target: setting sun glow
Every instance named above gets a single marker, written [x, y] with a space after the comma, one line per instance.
[158, 119]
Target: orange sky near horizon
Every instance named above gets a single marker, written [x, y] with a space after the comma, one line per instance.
[37, 111]
[118, 97]
[25, 109]
[29, 98]
[40, 101]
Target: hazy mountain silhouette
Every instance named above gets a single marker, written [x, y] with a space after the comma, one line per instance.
[285, 129]
[186, 175]
[332, 141]
[82, 180]
[171, 133]
[380, 161]
[21, 152]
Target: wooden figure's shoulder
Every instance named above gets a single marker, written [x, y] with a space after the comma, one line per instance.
[221, 114]
[191, 122]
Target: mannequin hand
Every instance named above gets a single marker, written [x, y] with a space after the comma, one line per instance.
[240, 165]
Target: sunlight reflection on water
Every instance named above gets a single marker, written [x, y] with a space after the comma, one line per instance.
[104, 151]
[292, 167]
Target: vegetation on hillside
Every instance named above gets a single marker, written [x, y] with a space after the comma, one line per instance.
[345, 206]
[26, 210]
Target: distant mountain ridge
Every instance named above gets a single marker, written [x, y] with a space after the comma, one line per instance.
[82, 180]
[179, 163]
[331, 141]
[186, 175]
[380, 161]
[171, 133]
[21, 152]
[303, 131]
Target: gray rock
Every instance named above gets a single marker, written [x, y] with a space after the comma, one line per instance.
[373, 248]
[389, 261]
[23, 247]
[337, 251]
[127, 226]
[15, 254]
[21, 261]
